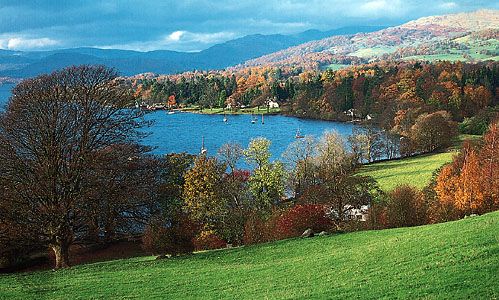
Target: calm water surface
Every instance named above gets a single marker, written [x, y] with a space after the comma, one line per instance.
[183, 132]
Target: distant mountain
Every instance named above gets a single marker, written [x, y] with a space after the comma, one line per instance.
[20, 64]
[469, 36]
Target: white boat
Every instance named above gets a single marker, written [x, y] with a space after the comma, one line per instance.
[225, 119]
[298, 134]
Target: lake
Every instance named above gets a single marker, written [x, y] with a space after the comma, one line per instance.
[5, 94]
[183, 132]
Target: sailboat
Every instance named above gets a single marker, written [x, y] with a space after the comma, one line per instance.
[225, 119]
[263, 122]
[253, 121]
[203, 149]
[298, 134]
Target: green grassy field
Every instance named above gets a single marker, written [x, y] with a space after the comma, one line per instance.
[416, 171]
[444, 261]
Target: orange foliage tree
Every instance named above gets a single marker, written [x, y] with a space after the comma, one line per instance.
[471, 182]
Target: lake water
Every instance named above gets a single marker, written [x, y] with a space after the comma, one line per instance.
[183, 132]
[5, 94]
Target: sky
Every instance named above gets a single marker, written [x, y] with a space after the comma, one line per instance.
[189, 25]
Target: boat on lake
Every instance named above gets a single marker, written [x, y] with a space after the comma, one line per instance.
[298, 135]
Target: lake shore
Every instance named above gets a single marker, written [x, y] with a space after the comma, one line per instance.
[243, 111]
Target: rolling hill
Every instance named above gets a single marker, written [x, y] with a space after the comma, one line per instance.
[20, 64]
[469, 36]
[454, 260]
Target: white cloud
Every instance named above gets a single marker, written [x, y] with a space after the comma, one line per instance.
[175, 36]
[380, 8]
[179, 40]
[21, 43]
[448, 5]
[181, 36]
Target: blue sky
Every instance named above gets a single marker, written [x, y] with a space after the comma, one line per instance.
[194, 25]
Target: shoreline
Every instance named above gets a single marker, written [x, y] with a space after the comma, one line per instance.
[219, 111]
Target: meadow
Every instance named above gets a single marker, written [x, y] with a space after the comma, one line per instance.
[455, 260]
[416, 171]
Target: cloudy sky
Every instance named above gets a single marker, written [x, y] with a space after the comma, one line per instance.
[192, 25]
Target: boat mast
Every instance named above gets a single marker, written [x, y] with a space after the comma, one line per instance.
[203, 149]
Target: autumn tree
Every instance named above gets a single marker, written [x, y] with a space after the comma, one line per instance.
[333, 180]
[406, 207]
[121, 192]
[433, 131]
[52, 129]
[203, 191]
[299, 162]
[470, 182]
[266, 182]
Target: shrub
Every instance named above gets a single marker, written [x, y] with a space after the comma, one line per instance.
[299, 218]
[480, 123]
[207, 240]
[160, 239]
[406, 207]
[259, 229]
[378, 218]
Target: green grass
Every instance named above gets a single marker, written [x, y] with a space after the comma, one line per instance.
[221, 111]
[444, 261]
[335, 67]
[416, 171]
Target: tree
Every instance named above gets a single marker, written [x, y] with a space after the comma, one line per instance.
[433, 131]
[470, 182]
[406, 207]
[203, 191]
[335, 182]
[300, 165]
[49, 136]
[122, 192]
[266, 182]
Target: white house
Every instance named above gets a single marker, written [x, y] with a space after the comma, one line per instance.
[272, 104]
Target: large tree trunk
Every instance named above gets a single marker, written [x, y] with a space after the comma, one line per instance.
[61, 252]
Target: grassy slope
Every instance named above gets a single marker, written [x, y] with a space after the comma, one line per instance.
[450, 260]
[416, 171]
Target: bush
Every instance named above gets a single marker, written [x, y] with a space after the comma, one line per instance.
[378, 218]
[406, 207]
[259, 229]
[208, 240]
[479, 123]
[159, 239]
[299, 218]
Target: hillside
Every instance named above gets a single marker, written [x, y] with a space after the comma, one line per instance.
[464, 36]
[416, 171]
[20, 64]
[458, 260]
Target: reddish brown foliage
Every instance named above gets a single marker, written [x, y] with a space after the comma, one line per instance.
[173, 240]
[470, 184]
[208, 240]
[299, 218]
